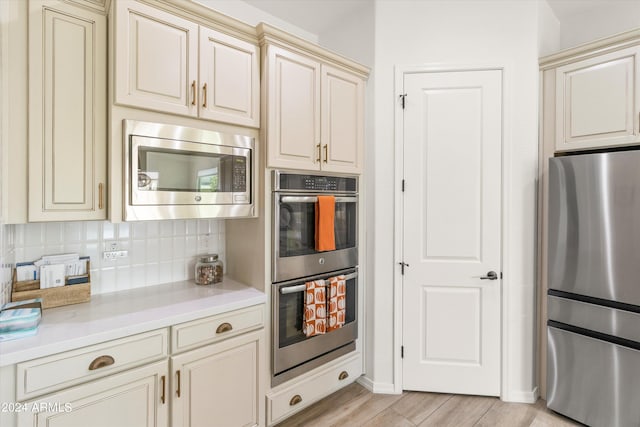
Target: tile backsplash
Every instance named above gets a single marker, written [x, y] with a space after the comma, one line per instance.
[6, 262]
[158, 251]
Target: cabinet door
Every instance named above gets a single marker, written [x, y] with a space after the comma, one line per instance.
[67, 112]
[134, 398]
[229, 79]
[342, 121]
[293, 109]
[219, 385]
[156, 59]
[597, 101]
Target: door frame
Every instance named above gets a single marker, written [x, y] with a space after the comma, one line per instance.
[400, 71]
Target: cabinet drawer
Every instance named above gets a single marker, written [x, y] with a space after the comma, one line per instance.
[302, 394]
[51, 373]
[215, 328]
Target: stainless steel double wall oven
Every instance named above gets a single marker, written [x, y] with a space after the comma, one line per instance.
[296, 261]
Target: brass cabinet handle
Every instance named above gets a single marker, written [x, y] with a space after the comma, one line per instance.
[225, 327]
[164, 385]
[343, 375]
[178, 383]
[101, 362]
[100, 196]
[204, 95]
[295, 400]
[326, 152]
[193, 92]
[318, 159]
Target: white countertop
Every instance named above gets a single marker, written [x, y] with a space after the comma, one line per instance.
[116, 315]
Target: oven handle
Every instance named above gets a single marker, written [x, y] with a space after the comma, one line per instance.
[300, 288]
[313, 199]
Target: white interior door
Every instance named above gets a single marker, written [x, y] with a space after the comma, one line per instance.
[452, 231]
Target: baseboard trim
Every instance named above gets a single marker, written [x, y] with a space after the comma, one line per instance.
[378, 388]
[522, 396]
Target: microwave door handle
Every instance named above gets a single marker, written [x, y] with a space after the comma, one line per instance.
[303, 287]
[312, 199]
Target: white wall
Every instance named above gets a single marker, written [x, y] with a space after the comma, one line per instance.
[614, 17]
[462, 33]
[548, 30]
[253, 16]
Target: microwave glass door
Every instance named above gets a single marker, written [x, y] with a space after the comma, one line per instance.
[182, 172]
[296, 225]
[164, 170]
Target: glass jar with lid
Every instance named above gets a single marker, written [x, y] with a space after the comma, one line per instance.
[209, 270]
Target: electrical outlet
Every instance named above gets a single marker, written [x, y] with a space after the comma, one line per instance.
[113, 255]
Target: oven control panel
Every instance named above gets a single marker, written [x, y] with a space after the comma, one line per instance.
[316, 183]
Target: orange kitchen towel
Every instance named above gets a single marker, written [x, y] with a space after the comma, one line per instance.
[325, 217]
[315, 308]
[337, 302]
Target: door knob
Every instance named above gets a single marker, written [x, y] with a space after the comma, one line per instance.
[492, 275]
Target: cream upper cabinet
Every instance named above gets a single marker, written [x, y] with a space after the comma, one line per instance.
[67, 112]
[313, 104]
[598, 101]
[219, 385]
[342, 121]
[229, 79]
[134, 398]
[166, 63]
[293, 110]
[156, 59]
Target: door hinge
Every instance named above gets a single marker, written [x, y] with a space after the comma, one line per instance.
[402, 352]
[402, 266]
[403, 97]
[403, 185]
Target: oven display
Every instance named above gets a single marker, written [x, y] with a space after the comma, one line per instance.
[317, 183]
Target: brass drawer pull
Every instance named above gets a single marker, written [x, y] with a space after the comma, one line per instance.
[101, 362]
[193, 92]
[295, 400]
[343, 375]
[225, 327]
[164, 386]
[319, 156]
[178, 383]
[326, 153]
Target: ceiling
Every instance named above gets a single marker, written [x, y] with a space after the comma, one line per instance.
[317, 16]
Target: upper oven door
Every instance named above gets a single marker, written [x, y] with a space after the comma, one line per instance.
[172, 172]
[294, 250]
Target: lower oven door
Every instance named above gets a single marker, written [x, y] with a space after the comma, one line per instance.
[291, 347]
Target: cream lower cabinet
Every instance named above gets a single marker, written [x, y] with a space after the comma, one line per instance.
[67, 112]
[133, 398]
[218, 385]
[314, 106]
[597, 101]
[286, 400]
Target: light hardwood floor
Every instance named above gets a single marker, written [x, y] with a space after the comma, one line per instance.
[355, 406]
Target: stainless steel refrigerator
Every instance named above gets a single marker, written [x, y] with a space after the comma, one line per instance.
[593, 327]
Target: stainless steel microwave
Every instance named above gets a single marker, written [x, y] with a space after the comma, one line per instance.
[174, 172]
